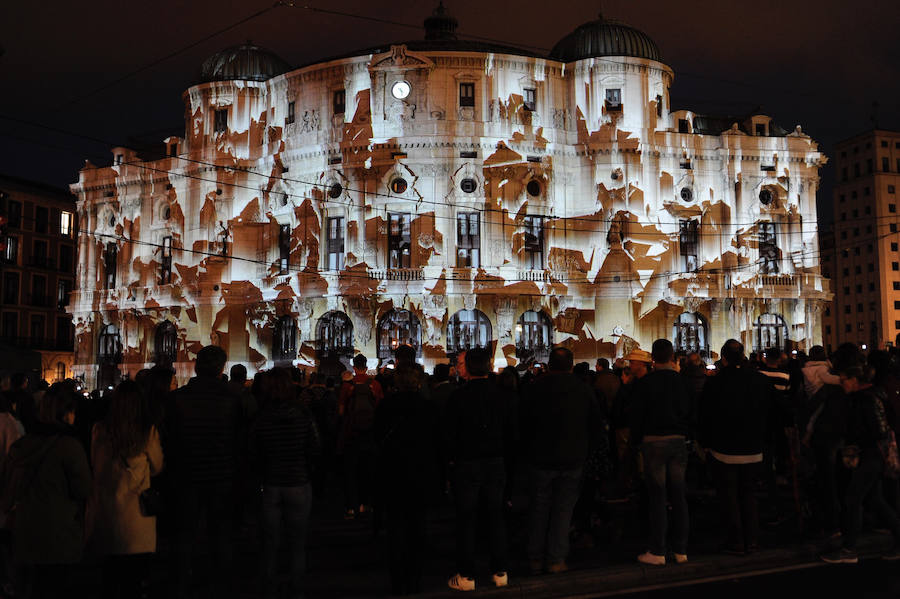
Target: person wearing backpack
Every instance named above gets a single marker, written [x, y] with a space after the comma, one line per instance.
[356, 442]
[46, 482]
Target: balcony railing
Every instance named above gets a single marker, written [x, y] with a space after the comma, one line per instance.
[397, 274]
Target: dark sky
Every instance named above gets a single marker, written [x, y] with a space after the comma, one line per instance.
[817, 64]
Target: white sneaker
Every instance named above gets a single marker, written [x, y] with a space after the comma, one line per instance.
[501, 579]
[651, 559]
[681, 558]
[461, 583]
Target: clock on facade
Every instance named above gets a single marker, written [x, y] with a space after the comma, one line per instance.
[400, 89]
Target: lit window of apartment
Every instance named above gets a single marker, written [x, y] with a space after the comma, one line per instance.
[66, 224]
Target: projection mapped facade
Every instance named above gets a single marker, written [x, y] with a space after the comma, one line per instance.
[448, 194]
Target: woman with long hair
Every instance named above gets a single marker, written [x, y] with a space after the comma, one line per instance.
[121, 524]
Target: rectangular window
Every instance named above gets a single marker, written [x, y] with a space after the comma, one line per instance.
[896, 285]
[857, 269]
[842, 198]
[658, 106]
[884, 143]
[844, 174]
[844, 234]
[284, 248]
[11, 288]
[827, 329]
[66, 258]
[110, 262]
[866, 191]
[534, 241]
[10, 325]
[868, 210]
[399, 240]
[467, 94]
[893, 227]
[66, 224]
[165, 257]
[688, 236]
[869, 166]
[63, 288]
[859, 307]
[847, 328]
[855, 213]
[221, 121]
[846, 289]
[892, 207]
[895, 265]
[886, 164]
[614, 99]
[468, 240]
[683, 126]
[768, 248]
[335, 246]
[339, 101]
[891, 189]
[37, 328]
[289, 117]
[38, 290]
[896, 305]
[41, 219]
[39, 254]
[855, 169]
[15, 214]
[64, 337]
[847, 309]
[11, 253]
[761, 129]
[871, 286]
[528, 99]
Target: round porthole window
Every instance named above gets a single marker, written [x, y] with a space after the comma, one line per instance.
[335, 191]
[766, 197]
[112, 221]
[468, 185]
[167, 213]
[398, 185]
[533, 188]
[400, 89]
[686, 194]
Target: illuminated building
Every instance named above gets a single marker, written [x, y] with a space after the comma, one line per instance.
[449, 193]
[863, 259]
[37, 274]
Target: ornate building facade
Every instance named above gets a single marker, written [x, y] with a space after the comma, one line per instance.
[448, 194]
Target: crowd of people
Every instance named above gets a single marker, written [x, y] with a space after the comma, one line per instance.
[97, 481]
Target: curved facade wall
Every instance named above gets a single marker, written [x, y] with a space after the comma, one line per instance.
[499, 183]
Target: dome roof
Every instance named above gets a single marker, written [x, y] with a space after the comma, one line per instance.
[605, 38]
[246, 62]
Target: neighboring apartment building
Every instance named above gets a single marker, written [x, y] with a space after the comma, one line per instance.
[448, 193]
[37, 272]
[865, 262]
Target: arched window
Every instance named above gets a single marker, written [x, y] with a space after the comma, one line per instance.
[396, 328]
[109, 355]
[284, 341]
[468, 329]
[690, 333]
[166, 343]
[334, 334]
[769, 331]
[60, 371]
[534, 337]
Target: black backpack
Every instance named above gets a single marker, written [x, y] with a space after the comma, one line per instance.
[362, 407]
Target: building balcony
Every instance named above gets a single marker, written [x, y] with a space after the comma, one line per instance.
[396, 274]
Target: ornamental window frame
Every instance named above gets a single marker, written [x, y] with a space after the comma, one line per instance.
[399, 240]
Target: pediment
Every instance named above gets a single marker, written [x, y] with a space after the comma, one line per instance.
[399, 59]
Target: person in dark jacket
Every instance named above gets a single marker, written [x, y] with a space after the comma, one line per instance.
[283, 442]
[479, 431]
[48, 525]
[561, 415]
[202, 448]
[867, 430]
[661, 417]
[407, 434]
[733, 410]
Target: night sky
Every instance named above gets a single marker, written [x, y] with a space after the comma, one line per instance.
[820, 65]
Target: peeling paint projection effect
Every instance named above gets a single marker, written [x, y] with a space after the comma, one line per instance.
[503, 201]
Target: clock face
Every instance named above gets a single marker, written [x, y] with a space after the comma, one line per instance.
[400, 89]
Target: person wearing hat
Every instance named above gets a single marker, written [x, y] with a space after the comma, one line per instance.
[638, 367]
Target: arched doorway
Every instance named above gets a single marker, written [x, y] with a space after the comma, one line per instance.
[534, 337]
[165, 344]
[690, 333]
[109, 356]
[468, 329]
[769, 331]
[334, 342]
[396, 328]
[284, 341]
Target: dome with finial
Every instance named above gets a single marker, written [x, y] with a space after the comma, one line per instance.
[246, 62]
[440, 25]
[604, 37]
